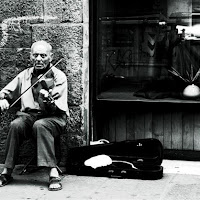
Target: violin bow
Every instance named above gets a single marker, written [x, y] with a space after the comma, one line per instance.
[35, 83]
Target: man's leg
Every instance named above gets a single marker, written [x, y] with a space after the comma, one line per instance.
[47, 130]
[18, 132]
[16, 135]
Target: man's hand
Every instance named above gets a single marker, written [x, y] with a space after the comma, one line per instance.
[4, 105]
[44, 93]
[46, 96]
[46, 101]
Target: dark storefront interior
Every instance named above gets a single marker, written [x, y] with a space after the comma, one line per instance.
[144, 56]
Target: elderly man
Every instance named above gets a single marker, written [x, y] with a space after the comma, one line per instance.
[42, 115]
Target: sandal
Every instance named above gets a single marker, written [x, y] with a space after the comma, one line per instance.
[53, 181]
[5, 179]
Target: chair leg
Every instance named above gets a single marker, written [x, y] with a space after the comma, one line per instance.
[24, 170]
[59, 170]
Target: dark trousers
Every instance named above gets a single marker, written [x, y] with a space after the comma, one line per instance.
[43, 129]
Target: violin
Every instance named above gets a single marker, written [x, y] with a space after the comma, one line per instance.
[39, 79]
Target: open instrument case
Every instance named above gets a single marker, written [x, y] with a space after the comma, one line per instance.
[136, 159]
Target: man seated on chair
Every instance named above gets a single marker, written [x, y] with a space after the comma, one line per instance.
[42, 115]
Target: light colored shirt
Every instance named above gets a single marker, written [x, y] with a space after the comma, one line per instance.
[23, 81]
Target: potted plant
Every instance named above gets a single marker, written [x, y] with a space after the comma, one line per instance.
[191, 90]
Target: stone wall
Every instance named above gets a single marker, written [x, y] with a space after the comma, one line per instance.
[64, 23]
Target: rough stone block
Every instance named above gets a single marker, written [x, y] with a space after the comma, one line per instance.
[74, 121]
[75, 92]
[74, 76]
[5, 119]
[54, 9]
[18, 8]
[73, 11]
[64, 149]
[74, 63]
[65, 10]
[67, 141]
[13, 61]
[22, 58]
[60, 36]
[72, 59]
[76, 140]
[16, 35]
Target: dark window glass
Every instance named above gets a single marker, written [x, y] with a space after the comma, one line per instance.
[146, 46]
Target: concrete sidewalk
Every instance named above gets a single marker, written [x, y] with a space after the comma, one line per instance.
[181, 181]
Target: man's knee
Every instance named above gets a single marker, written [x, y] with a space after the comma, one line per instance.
[18, 123]
[40, 127]
[46, 127]
[39, 124]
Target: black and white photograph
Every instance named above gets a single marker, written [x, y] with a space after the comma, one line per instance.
[100, 99]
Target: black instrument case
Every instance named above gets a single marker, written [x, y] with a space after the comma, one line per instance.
[136, 159]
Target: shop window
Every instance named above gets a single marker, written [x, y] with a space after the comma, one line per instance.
[145, 50]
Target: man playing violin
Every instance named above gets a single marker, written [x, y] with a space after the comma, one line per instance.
[42, 115]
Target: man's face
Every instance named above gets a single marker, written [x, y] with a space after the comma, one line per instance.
[40, 56]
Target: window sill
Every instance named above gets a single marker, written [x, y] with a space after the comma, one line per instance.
[127, 96]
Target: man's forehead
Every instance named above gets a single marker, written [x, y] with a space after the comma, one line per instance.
[40, 47]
